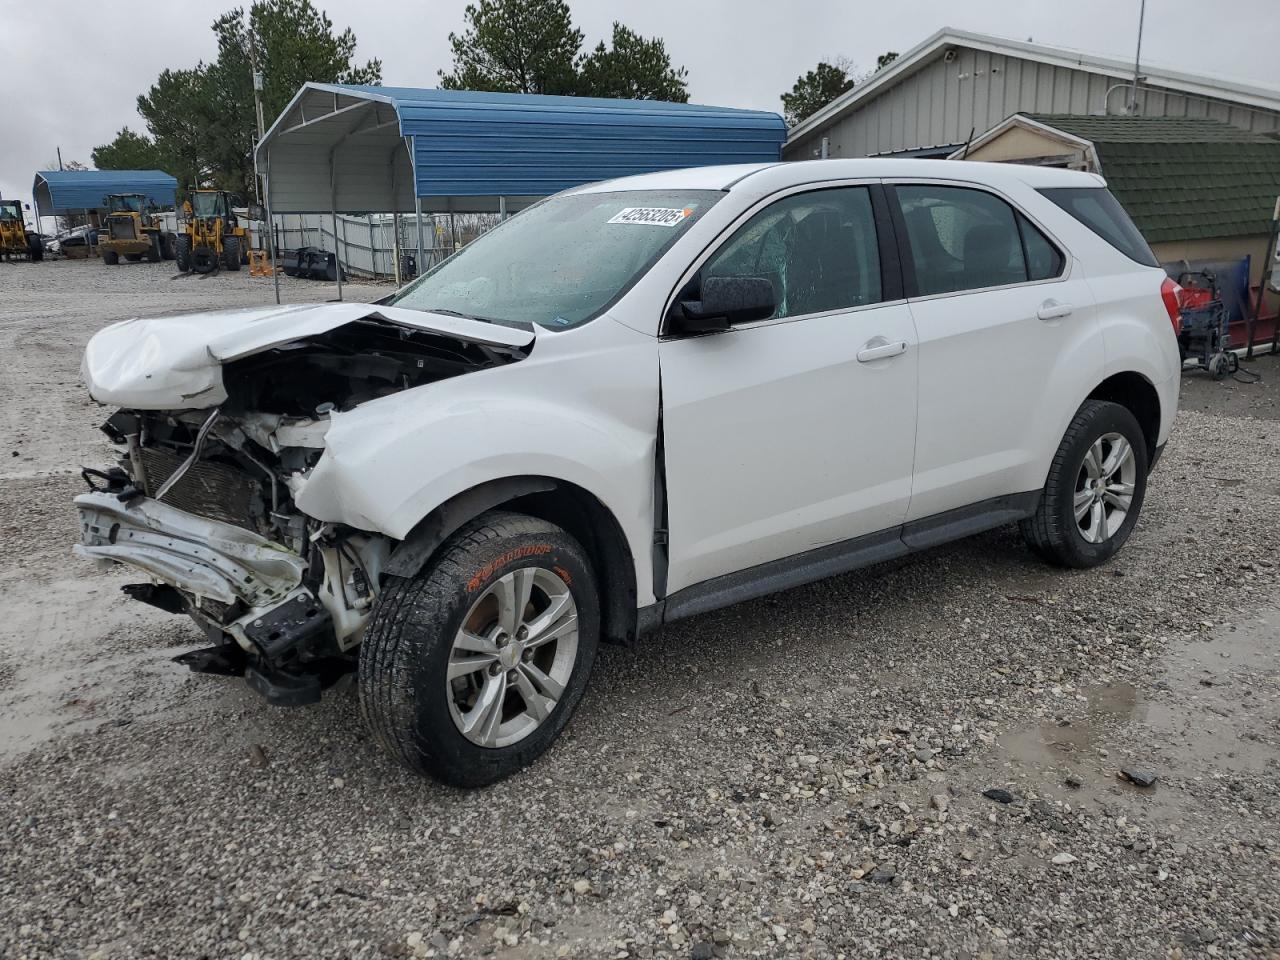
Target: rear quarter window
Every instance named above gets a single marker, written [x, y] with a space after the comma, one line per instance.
[1101, 212]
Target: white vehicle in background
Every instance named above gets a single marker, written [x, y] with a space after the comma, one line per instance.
[634, 402]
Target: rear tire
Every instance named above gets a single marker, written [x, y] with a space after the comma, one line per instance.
[110, 257]
[182, 253]
[35, 249]
[423, 696]
[1093, 495]
[153, 254]
[231, 253]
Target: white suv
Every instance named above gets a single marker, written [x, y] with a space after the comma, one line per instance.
[634, 402]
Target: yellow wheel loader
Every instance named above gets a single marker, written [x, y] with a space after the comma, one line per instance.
[209, 234]
[132, 230]
[15, 239]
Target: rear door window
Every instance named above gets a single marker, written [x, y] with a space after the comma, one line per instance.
[1101, 212]
[964, 239]
[1044, 260]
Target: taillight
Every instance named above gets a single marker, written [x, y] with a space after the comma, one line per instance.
[1169, 294]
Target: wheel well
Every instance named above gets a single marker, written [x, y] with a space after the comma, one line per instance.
[568, 506]
[1134, 392]
[590, 522]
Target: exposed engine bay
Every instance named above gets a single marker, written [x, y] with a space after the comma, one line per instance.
[202, 500]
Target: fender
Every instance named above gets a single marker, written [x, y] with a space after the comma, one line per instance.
[580, 410]
[1138, 337]
[441, 523]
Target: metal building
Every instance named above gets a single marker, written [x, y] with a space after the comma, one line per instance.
[361, 149]
[349, 149]
[79, 191]
[932, 98]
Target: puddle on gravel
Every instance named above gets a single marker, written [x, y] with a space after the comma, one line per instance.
[77, 660]
[1211, 708]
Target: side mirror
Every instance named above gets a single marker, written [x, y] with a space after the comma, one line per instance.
[724, 302]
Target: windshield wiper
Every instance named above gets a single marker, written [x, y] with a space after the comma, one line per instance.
[451, 313]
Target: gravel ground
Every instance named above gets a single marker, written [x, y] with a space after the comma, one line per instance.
[803, 775]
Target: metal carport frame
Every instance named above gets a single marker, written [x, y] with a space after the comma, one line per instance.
[347, 149]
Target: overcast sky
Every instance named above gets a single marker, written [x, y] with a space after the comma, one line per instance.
[74, 68]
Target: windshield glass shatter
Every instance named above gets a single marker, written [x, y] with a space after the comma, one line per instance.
[562, 262]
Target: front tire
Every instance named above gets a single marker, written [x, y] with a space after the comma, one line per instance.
[110, 257]
[471, 669]
[182, 252]
[231, 253]
[1094, 492]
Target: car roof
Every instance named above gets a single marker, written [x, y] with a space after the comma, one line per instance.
[767, 177]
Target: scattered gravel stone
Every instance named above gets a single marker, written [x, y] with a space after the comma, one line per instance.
[1140, 778]
[999, 795]
[883, 873]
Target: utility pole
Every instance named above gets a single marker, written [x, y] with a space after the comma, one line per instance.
[1137, 60]
[59, 158]
[257, 108]
[270, 238]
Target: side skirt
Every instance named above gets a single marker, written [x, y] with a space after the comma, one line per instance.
[838, 558]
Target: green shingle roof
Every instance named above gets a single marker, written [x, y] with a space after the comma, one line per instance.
[1183, 178]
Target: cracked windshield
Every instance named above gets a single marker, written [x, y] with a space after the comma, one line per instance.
[562, 262]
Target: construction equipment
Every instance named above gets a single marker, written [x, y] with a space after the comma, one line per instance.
[311, 263]
[209, 234]
[15, 239]
[260, 264]
[132, 230]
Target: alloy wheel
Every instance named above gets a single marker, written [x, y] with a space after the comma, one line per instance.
[513, 656]
[1104, 488]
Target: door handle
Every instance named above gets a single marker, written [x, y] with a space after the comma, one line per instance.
[1054, 310]
[879, 349]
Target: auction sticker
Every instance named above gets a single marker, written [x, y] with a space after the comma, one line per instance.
[652, 216]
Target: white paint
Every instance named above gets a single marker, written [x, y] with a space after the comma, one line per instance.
[780, 441]
[176, 362]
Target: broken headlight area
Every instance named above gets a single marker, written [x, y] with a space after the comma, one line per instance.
[200, 501]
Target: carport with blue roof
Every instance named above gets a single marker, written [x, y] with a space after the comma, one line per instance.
[59, 192]
[360, 149]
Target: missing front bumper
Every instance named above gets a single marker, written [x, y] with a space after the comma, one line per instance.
[256, 583]
[245, 591]
[205, 558]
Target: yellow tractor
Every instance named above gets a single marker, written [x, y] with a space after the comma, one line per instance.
[15, 240]
[132, 230]
[209, 234]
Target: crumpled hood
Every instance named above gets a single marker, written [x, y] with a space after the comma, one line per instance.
[175, 363]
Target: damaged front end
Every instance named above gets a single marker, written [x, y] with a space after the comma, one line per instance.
[202, 500]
